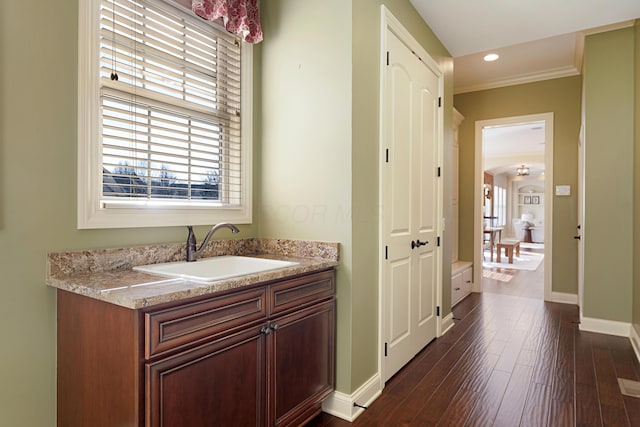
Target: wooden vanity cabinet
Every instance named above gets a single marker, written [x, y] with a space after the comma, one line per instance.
[259, 357]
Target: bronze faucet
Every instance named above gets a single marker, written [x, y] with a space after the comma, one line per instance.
[192, 252]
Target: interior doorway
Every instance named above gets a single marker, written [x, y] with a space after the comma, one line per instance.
[525, 195]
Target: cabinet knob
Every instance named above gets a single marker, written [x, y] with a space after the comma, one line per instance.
[265, 330]
[456, 289]
[274, 327]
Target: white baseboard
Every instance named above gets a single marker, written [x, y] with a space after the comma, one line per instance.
[341, 404]
[635, 342]
[563, 298]
[447, 323]
[609, 327]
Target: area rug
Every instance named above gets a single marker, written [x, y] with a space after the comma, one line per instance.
[524, 245]
[500, 277]
[526, 261]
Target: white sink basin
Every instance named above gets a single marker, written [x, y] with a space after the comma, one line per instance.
[216, 268]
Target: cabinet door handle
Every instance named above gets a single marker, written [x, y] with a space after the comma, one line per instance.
[265, 330]
[468, 281]
[456, 289]
[274, 327]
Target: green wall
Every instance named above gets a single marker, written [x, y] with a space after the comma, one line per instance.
[38, 79]
[562, 98]
[305, 179]
[636, 186]
[609, 132]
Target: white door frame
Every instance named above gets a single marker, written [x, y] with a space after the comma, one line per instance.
[548, 199]
[391, 23]
[580, 232]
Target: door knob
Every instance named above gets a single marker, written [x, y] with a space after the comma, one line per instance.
[418, 243]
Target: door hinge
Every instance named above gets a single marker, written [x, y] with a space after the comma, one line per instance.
[438, 311]
[387, 57]
[439, 171]
[439, 98]
[385, 349]
[387, 155]
[438, 241]
[386, 252]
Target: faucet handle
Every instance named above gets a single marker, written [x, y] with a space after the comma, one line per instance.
[191, 244]
[191, 237]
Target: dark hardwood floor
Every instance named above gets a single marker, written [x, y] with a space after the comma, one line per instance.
[510, 360]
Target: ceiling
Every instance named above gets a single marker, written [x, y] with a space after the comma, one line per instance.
[501, 153]
[536, 39]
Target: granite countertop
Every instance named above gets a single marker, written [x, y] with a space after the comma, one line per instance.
[107, 275]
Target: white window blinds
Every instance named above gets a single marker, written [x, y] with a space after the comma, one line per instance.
[170, 106]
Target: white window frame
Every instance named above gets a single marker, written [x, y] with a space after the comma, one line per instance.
[500, 205]
[92, 213]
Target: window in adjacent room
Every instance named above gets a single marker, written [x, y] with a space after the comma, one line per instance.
[500, 206]
[164, 117]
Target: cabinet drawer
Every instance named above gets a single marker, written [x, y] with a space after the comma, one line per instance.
[188, 324]
[301, 291]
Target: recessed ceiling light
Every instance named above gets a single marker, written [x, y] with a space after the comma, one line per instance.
[491, 57]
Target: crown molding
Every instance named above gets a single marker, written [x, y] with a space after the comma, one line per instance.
[555, 73]
[611, 27]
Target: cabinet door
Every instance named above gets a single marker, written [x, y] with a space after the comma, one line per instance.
[467, 280]
[219, 384]
[457, 291]
[301, 363]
